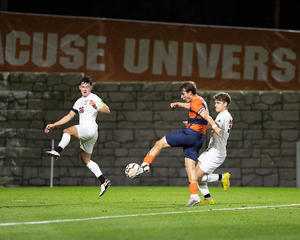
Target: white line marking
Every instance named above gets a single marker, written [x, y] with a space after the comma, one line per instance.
[146, 214]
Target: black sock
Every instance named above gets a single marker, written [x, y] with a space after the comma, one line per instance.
[102, 179]
[58, 149]
[220, 176]
[207, 196]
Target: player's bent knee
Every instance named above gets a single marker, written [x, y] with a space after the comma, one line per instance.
[66, 131]
[71, 131]
[158, 144]
[162, 143]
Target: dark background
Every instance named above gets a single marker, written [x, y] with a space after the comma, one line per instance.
[282, 14]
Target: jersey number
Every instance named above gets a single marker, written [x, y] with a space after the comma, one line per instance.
[230, 125]
[81, 109]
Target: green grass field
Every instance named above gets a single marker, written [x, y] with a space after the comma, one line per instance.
[148, 213]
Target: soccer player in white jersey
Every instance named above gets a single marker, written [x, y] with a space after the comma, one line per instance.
[87, 107]
[215, 154]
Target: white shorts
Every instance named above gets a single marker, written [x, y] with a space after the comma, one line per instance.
[87, 136]
[210, 161]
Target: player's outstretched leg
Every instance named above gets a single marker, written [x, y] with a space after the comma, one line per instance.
[104, 187]
[159, 145]
[225, 181]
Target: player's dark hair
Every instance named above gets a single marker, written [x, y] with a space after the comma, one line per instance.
[86, 79]
[189, 86]
[224, 97]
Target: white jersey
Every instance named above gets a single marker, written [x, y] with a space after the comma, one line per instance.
[217, 145]
[87, 113]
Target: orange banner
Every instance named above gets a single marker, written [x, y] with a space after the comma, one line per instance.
[115, 50]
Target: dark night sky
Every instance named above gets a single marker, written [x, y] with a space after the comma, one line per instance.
[241, 13]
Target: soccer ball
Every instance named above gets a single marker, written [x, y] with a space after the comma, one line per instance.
[131, 169]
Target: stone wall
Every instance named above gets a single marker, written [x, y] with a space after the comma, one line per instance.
[261, 147]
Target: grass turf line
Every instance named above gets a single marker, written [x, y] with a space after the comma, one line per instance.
[43, 204]
[149, 214]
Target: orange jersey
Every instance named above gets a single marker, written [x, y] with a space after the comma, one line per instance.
[196, 122]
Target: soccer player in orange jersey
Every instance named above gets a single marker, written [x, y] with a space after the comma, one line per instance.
[191, 138]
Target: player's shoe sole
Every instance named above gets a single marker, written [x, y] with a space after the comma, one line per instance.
[225, 181]
[142, 170]
[54, 154]
[104, 187]
[137, 174]
[193, 201]
[206, 201]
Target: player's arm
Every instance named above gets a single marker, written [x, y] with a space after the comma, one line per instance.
[101, 107]
[214, 125]
[62, 121]
[180, 104]
[209, 126]
[104, 109]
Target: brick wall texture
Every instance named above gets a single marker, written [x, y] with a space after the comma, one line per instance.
[261, 147]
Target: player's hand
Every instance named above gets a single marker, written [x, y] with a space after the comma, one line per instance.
[185, 123]
[174, 105]
[49, 127]
[93, 104]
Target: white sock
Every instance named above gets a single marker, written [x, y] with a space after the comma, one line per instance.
[202, 186]
[94, 167]
[65, 140]
[210, 178]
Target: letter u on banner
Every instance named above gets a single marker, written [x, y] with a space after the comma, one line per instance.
[143, 55]
[37, 51]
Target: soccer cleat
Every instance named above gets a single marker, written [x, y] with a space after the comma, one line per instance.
[144, 168]
[104, 187]
[225, 181]
[54, 154]
[206, 201]
[193, 201]
[137, 174]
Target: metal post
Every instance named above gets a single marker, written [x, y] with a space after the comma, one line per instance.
[52, 163]
[298, 165]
